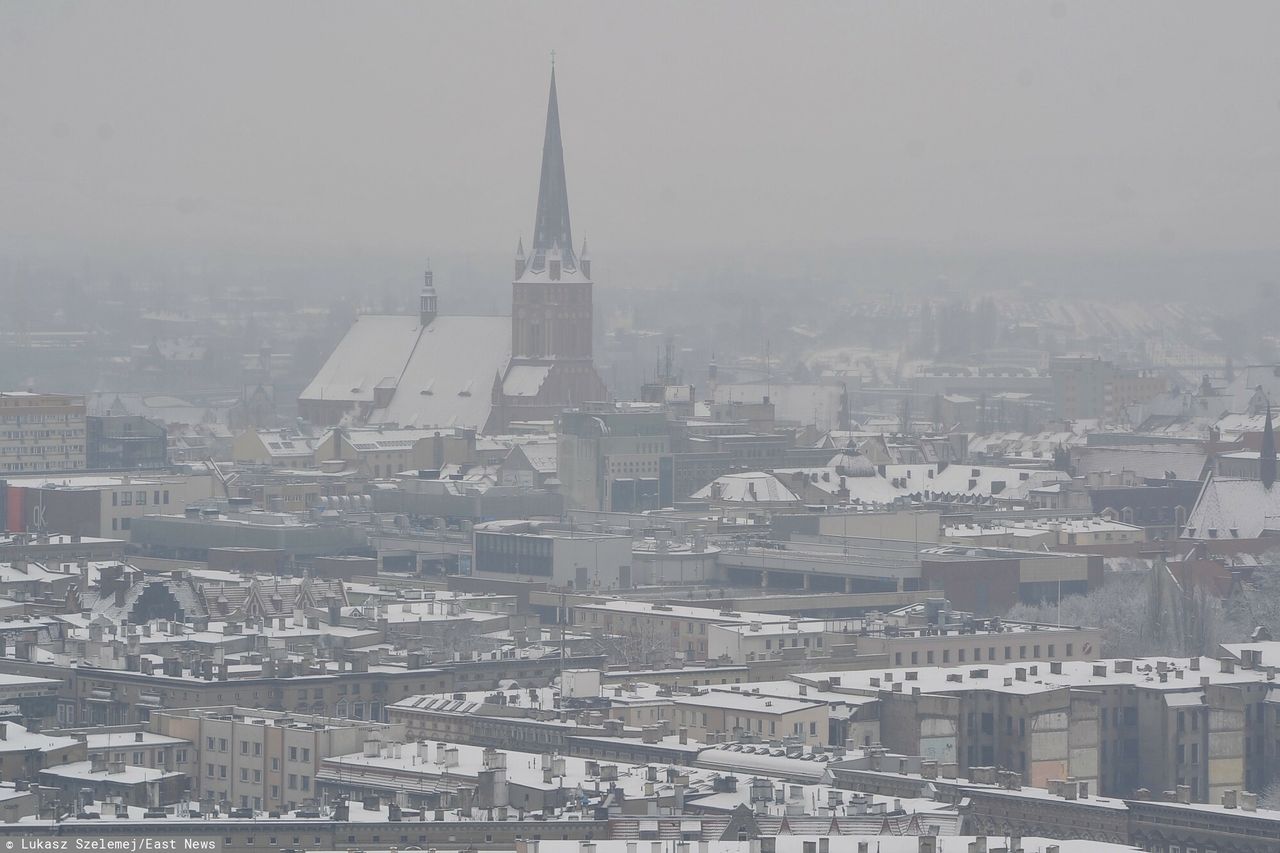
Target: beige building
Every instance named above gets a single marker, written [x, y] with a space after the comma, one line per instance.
[1006, 643]
[745, 643]
[138, 748]
[41, 432]
[738, 712]
[262, 760]
[658, 630]
[382, 452]
[23, 752]
[279, 448]
[106, 505]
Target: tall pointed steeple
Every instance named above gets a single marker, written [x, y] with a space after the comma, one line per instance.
[551, 225]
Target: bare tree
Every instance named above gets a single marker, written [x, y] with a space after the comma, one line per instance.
[641, 646]
[1145, 614]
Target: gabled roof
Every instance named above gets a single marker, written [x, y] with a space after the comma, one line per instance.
[1228, 504]
[376, 346]
[448, 376]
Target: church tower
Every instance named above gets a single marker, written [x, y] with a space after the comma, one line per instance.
[551, 312]
[551, 294]
[427, 308]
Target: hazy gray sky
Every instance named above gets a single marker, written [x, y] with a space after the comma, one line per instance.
[417, 127]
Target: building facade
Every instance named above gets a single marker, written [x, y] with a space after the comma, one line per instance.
[41, 432]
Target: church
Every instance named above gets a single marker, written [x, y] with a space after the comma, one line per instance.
[484, 373]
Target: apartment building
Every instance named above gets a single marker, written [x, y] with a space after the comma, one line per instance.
[263, 760]
[739, 643]
[995, 641]
[1154, 724]
[41, 432]
[668, 628]
[742, 711]
[140, 748]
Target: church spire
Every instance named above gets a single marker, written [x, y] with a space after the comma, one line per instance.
[551, 225]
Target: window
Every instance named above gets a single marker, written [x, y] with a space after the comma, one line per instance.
[140, 498]
[222, 744]
[293, 753]
[293, 781]
[306, 754]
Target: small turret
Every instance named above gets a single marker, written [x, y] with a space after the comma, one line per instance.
[584, 260]
[521, 261]
[553, 263]
[427, 307]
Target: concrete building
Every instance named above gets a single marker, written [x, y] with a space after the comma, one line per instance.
[609, 457]
[101, 504]
[561, 556]
[671, 629]
[740, 712]
[1089, 387]
[23, 753]
[263, 760]
[743, 643]
[193, 534]
[101, 780]
[125, 443]
[41, 432]
[140, 748]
